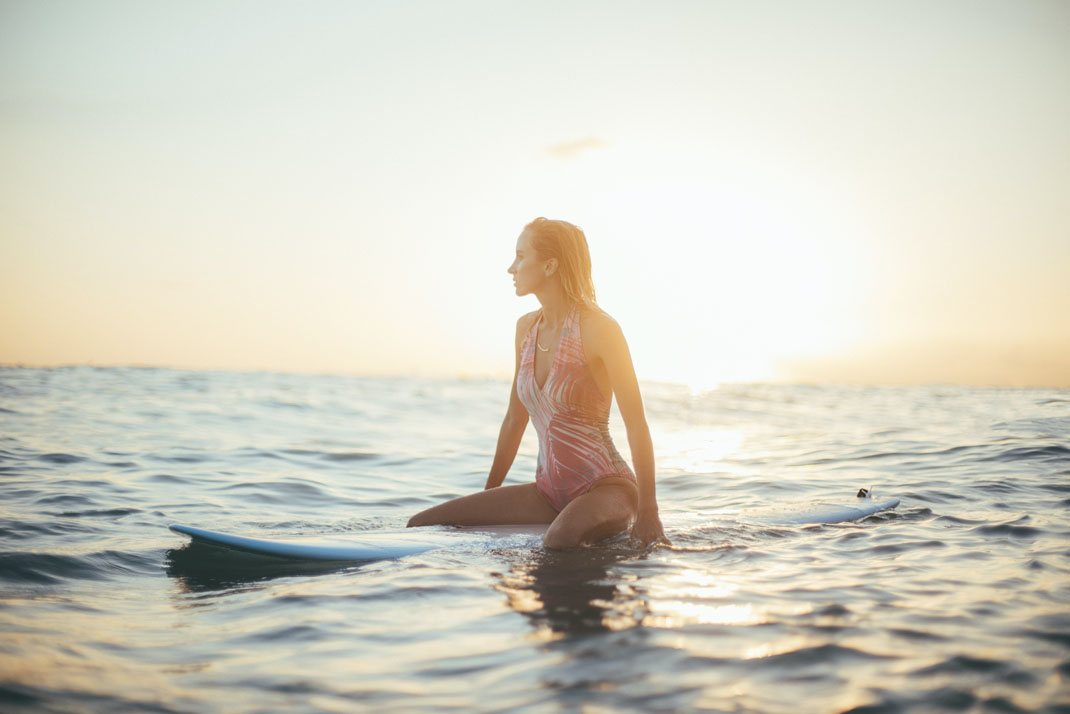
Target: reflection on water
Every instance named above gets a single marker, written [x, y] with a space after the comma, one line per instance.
[200, 567]
[570, 592]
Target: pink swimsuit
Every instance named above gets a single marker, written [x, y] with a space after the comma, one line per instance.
[571, 418]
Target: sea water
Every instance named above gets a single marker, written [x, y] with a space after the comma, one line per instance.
[958, 600]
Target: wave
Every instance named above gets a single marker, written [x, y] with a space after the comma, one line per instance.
[20, 568]
[1053, 453]
[992, 670]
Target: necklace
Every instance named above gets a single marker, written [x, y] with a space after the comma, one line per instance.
[539, 344]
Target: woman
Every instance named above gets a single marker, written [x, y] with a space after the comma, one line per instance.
[571, 358]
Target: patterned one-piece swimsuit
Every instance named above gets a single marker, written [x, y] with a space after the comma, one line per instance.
[571, 417]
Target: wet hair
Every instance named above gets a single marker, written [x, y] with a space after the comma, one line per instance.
[566, 243]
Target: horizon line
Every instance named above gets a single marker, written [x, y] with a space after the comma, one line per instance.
[502, 376]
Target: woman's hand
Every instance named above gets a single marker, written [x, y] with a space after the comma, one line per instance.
[647, 529]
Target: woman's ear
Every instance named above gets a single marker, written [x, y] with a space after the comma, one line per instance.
[550, 267]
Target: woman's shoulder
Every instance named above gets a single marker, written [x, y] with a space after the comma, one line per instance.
[524, 323]
[597, 317]
[597, 324]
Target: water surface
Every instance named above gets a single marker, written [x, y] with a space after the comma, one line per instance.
[959, 600]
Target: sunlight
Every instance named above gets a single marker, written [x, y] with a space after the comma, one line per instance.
[697, 452]
[771, 649]
[702, 585]
[689, 597]
[693, 583]
[678, 613]
[722, 280]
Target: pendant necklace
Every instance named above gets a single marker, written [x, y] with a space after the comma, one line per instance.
[539, 344]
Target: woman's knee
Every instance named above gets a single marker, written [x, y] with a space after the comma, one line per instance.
[559, 538]
[420, 519]
[433, 516]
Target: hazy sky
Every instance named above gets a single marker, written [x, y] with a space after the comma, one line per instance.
[822, 191]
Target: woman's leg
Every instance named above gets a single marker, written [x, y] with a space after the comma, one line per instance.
[497, 506]
[604, 511]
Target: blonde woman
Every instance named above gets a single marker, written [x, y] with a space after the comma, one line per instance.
[571, 360]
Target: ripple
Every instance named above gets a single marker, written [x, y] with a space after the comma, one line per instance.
[19, 696]
[999, 486]
[1010, 529]
[64, 499]
[40, 698]
[46, 568]
[943, 699]
[958, 520]
[180, 459]
[282, 404]
[33, 531]
[351, 456]
[282, 491]
[61, 458]
[917, 635]
[287, 633]
[1059, 638]
[1041, 454]
[169, 479]
[1053, 621]
[819, 655]
[991, 670]
[99, 513]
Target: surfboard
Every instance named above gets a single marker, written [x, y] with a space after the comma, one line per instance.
[388, 545]
[368, 546]
[812, 513]
[372, 546]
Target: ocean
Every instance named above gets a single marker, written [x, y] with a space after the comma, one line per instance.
[958, 600]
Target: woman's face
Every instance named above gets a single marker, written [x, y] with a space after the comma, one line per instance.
[528, 271]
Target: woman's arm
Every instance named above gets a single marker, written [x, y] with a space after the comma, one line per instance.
[612, 349]
[516, 418]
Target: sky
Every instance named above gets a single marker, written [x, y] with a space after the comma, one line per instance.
[829, 192]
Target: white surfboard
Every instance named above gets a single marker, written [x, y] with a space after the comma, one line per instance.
[367, 546]
[373, 546]
[827, 512]
[386, 545]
